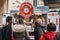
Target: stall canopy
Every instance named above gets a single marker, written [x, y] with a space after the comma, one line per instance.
[42, 9]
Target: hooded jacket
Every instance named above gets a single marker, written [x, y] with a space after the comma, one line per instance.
[6, 31]
[48, 36]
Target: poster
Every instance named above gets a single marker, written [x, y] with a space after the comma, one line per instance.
[14, 4]
[40, 3]
[53, 17]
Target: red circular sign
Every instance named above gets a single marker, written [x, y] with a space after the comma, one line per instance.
[26, 9]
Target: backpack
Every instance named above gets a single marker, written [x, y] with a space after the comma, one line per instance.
[57, 37]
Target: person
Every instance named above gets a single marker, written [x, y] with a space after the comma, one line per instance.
[0, 31]
[50, 34]
[38, 29]
[19, 29]
[6, 30]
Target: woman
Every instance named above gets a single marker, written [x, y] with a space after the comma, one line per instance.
[39, 28]
[19, 30]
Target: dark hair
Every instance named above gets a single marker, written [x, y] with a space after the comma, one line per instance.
[21, 21]
[8, 19]
[51, 27]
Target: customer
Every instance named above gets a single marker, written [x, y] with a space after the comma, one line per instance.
[51, 32]
[19, 29]
[39, 28]
[6, 30]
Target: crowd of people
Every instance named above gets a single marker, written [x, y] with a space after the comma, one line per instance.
[17, 31]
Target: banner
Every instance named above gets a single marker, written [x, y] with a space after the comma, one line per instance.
[53, 17]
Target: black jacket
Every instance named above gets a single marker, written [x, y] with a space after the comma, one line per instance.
[38, 31]
[6, 32]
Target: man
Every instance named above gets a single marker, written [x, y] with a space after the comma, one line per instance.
[51, 33]
[6, 31]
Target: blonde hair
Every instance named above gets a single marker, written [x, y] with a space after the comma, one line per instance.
[36, 17]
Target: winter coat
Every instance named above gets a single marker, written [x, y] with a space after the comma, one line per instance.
[6, 32]
[19, 36]
[1, 26]
[0, 34]
[19, 28]
[19, 31]
[38, 31]
[48, 36]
